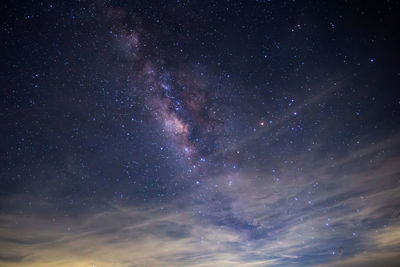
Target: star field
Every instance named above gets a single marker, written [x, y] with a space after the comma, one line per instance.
[200, 133]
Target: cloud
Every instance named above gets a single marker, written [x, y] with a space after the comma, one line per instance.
[321, 214]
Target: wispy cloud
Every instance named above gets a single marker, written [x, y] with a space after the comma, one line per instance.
[326, 212]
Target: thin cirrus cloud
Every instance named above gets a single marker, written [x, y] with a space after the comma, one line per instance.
[341, 216]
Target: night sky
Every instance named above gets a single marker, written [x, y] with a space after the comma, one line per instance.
[200, 133]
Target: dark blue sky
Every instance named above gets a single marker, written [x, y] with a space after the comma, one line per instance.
[200, 133]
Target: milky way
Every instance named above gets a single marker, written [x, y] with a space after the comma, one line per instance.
[200, 133]
[185, 105]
